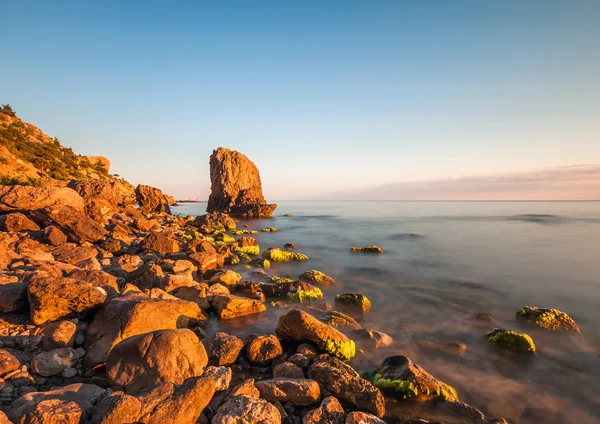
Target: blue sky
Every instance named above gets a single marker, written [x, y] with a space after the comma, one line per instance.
[324, 96]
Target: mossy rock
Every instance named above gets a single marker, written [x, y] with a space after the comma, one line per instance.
[279, 280]
[277, 255]
[548, 319]
[511, 340]
[288, 214]
[318, 277]
[243, 232]
[225, 238]
[352, 303]
[268, 230]
[370, 249]
[302, 294]
[248, 250]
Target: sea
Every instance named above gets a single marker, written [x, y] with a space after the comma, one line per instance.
[445, 262]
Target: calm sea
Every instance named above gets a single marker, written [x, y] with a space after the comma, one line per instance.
[445, 262]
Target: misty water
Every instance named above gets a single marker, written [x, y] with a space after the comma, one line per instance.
[443, 263]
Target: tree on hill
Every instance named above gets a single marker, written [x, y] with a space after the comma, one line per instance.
[8, 110]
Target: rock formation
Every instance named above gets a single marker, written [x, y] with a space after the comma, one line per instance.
[235, 186]
[152, 199]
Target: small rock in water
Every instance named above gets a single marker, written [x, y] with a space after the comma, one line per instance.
[372, 249]
[268, 229]
[289, 246]
[318, 277]
[352, 303]
[548, 319]
[275, 254]
[511, 340]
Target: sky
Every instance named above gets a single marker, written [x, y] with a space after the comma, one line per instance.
[328, 98]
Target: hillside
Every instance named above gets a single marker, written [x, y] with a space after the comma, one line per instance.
[30, 157]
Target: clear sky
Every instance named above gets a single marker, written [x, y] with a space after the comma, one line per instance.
[324, 96]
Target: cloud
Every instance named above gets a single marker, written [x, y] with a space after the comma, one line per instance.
[574, 182]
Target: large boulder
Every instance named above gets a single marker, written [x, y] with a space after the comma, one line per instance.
[117, 408]
[78, 227]
[246, 410]
[13, 293]
[213, 222]
[24, 198]
[15, 222]
[224, 349]
[344, 383]
[300, 326]
[163, 356]
[134, 314]
[102, 197]
[299, 391]
[151, 199]
[236, 188]
[548, 319]
[52, 298]
[160, 244]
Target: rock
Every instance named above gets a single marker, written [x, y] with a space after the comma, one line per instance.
[97, 278]
[54, 236]
[68, 404]
[55, 361]
[370, 338]
[15, 222]
[223, 349]
[13, 293]
[100, 161]
[221, 375]
[151, 199]
[196, 293]
[26, 198]
[206, 261]
[247, 410]
[186, 403]
[214, 222]
[300, 326]
[268, 230]
[162, 356]
[230, 306]
[401, 378]
[451, 348]
[8, 362]
[511, 340]
[147, 277]
[69, 372]
[246, 388]
[4, 419]
[53, 298]
[299, 391]
[274, 254]
[300, 291]
[151, 397]
[344, 383]
[317, 277]
[134, 314]
[369, 249]
[73, 254]
[263, 349]
[227, 278]
[299, 360]
[330, 412]
[287, 370]
[336, 319]
[102, 197]
[160, 244]
[78, 227]
[362, 418]
[117, 408]
[548, 319]
[235, 186]
[352, 303]
[171, 282]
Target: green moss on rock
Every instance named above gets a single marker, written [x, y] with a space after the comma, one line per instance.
[318, 277]
[372, 249]
[301, 295]
[511, 340]
[248, 250]
[341, 349]
[278, 255]
[268, 229]
[279, 280]
[243, 232]
[548, 319]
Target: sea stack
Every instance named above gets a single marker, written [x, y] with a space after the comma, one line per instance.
[235, 186]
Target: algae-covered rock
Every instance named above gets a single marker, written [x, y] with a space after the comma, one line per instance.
[268, 230]
[301, 292]
[318, 277]
[275, 254]
[401, 378]
[224, 238]
[352, 303]
[371, 249]
[243, 232]
[248, 250]
[279, 280]
[548, 319]
[511, 340]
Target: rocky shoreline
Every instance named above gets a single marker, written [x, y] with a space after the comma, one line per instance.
[105, 303]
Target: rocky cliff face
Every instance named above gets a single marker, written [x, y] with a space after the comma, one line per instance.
[235, 186]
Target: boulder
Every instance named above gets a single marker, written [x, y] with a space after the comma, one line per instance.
[228, 278]
[205, 261]
[52, 298]
[287, 370]
[26, 198]
[58, 334]
[78, 227]
[230, 306]
[299, 391]
[511, 340]
[263, 349]
[100, 162]
[354, 304]
[214, 222]
[13, 293]
[117, 408]
[344, 383]
[316, 277]
[362, 418]
[370, 339]
[68, 404]
[548, 319]
[223, 349]
[235, 186]
[15, 222]
[102, 197]
[134, 314]
[54, 236]
[97, 278]
[55, 361]
[221, 375]
[300, 326]
[330, 412]
[8, 362]
[151, 199]
[246, 388]
[162, 356]
[247, 410]
[160, 244]
[73, 254]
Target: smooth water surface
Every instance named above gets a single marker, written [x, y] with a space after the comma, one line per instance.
[445, 262]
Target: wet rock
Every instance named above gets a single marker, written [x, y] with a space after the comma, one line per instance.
[369, 249]
[317, 277]
[13, 293]
[26, 198]
[246, 409]
[362, 418]
[134, 314]
[287, 370]
[227, 278]
[77, 226]
[230, 306]
[274, 254]
[263, 349]
[224, 349]
[117, 408]
[235, 186]
[548, 319]
[401, 378]
[289, 246]
[8, 362]
[299, 391]
[68, 404]
[452, 348]
[163, 356]
[336, 319]
[344, 383]
[221, 375]
[511, 340]
[160, 244]
[151, 199]
[15, 222]
[213, 222]
[53, 298]
[482, 316]
[55, 361]
[354, 304]
[370, 339]
[300, 326]
[330, 412]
